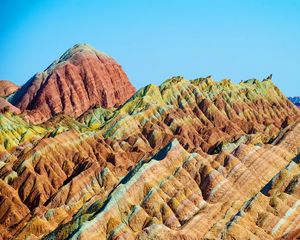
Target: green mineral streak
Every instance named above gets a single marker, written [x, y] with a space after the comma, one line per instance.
[14, 131]
[229, 147]
[147, 104]
[151, 101]
[96, 117]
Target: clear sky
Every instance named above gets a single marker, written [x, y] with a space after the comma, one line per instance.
[156, 39]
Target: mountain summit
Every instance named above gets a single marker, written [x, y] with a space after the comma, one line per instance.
[7, 88]
[80, 79]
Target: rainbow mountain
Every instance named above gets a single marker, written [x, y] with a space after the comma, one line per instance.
[84, 155]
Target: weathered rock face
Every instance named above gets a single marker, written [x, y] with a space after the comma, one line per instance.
[7, 88]
[6, 106]
[248, 193]
[185, 160]
[202, 114]
[79, 80]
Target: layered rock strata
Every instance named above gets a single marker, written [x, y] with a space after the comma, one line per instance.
[80, 79]
[184, 160]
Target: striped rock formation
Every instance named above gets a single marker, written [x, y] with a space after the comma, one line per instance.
[5, 106]
[80, 79]
[202, 114]
[7, 88]
[181, 195]
[184, 160]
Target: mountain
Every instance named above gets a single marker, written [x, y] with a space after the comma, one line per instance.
[80, 79]
[6, 106]
[202, 113]
[245, 194]
[7, 88]
[195, 159]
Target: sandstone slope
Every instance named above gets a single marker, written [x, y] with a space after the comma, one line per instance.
[248, 193]
[80, 79]
[202, 114]
[184, 160]
[7, 88]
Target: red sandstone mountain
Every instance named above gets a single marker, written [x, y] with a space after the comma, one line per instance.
[6, 106]
[80, 79]
[7, 88]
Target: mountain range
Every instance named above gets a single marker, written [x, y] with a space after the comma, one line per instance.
[83, 155]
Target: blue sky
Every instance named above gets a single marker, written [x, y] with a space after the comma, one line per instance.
[156, 39]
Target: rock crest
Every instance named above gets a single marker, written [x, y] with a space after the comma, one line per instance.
[80, 79]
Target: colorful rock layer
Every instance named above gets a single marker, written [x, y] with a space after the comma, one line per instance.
[80, 79]
[184, 160]
[6, 89]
